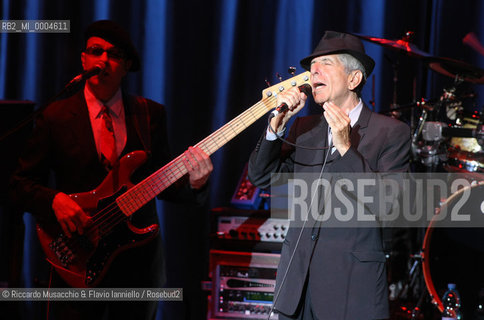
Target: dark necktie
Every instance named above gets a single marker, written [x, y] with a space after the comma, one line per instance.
[108, 141]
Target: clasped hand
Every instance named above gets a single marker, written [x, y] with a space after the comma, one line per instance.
[339, 122]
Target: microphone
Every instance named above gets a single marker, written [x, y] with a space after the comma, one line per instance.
[304, 88]
[86, 74]
[435, 131]
[91, 72]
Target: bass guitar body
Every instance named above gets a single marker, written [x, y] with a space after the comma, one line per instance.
[82, 260]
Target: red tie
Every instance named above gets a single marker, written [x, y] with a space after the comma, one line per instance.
[108, 142]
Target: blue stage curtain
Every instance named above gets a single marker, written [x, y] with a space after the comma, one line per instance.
[207, 61]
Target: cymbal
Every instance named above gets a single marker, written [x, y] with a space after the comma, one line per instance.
[402, 45]
[455, 68]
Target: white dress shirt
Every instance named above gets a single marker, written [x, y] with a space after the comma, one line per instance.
[116, 111]
[353, 115]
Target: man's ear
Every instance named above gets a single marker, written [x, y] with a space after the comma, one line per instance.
[354, 79]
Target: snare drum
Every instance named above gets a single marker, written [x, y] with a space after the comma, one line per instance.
[456, 255]
[468, 144]
[465, 154]
[459, 161]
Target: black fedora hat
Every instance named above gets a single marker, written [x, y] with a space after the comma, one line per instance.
[116, 35]
[336, 42]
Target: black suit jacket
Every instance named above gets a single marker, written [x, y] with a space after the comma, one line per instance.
[62, 149]
[61, 156]
[344, 267]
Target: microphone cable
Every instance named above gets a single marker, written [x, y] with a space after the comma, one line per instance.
[313, 196]
[293, 144]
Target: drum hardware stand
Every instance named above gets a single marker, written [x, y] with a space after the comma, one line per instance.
[418, 129]
[417, 263]
[449, 100]
[414, 100]
[421, 120]
[394, 113]
[415, 276]
[480, 130]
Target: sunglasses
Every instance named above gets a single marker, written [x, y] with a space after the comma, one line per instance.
[113, 53]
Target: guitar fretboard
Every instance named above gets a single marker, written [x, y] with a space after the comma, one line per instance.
[146, 190]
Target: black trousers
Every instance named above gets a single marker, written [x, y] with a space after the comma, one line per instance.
[305, 309]
[140, 267]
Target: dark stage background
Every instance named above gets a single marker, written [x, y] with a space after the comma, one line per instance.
[207, 61]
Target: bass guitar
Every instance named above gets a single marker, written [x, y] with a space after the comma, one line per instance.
[83, 260]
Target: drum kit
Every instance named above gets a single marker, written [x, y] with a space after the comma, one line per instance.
[445, 134]
[445, 138]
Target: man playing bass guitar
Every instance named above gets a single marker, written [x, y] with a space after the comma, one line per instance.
[86, 141]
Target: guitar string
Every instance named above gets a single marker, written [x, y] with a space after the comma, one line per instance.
[113, 207]
[91, 230]
[248, 116]
[101, 224]
[103, 219]
[103, 216]
[178, 165]
[109, 218]
[106, 219]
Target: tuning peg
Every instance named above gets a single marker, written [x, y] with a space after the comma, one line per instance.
[268, 84]
[292, 71]
[408, 37]
[279, 76]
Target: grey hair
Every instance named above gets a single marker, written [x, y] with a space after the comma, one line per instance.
[351, 63]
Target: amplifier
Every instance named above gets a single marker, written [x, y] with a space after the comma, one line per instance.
[250, 230]
[242, 284]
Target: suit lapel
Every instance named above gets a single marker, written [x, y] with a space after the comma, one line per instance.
[316, 137]
[321, 131]
[359, 129]
[80, 126]
[137, 113]
[324, 134]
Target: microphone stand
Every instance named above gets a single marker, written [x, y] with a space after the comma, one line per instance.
[69, 88]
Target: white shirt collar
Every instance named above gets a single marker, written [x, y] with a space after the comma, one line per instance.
[115, 104]
[355, 113]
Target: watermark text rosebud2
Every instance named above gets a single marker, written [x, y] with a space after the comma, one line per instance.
[378, 200]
